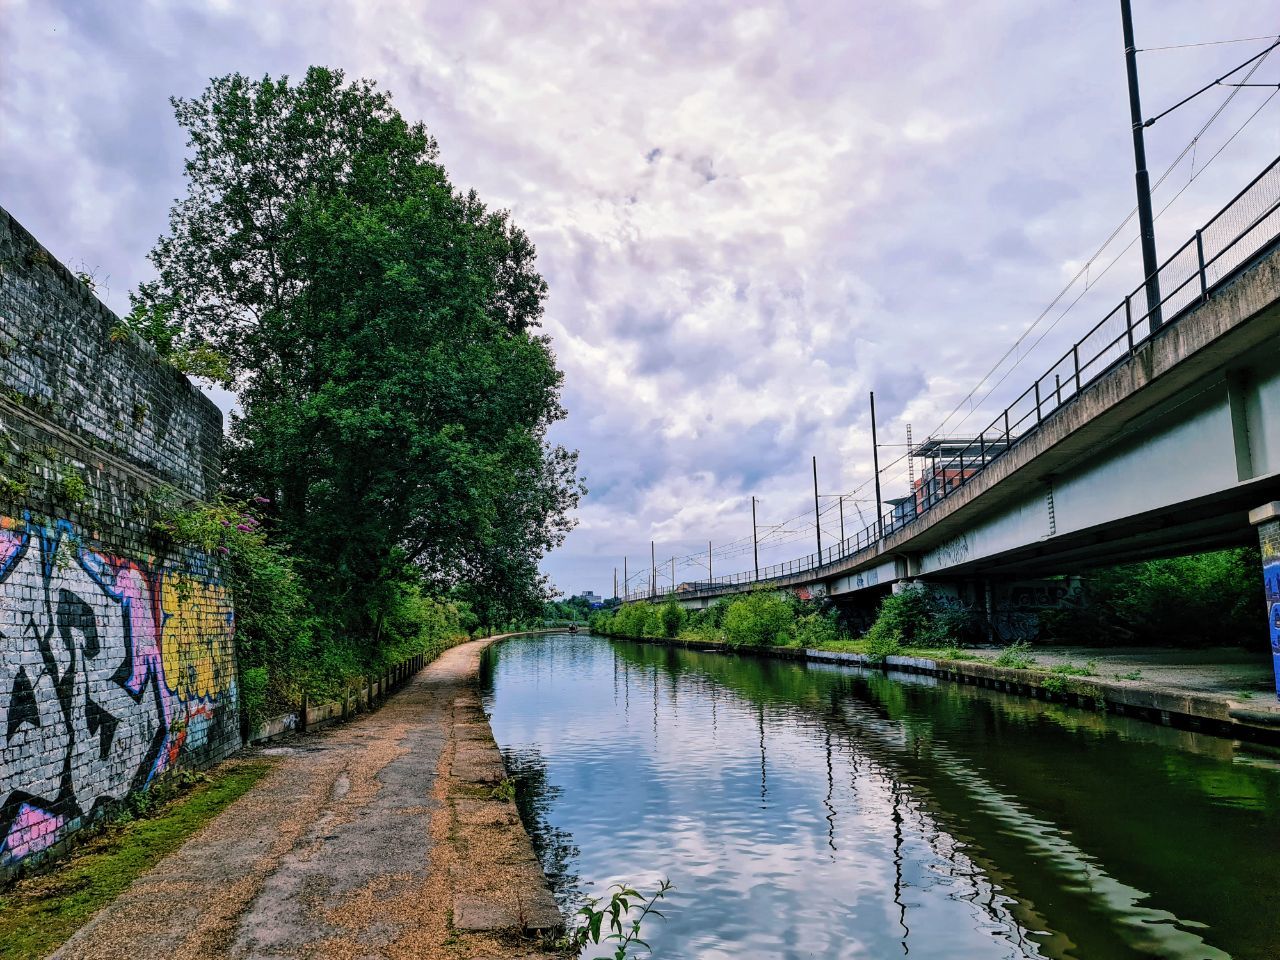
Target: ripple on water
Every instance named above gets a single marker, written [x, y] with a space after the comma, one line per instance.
[825, 812]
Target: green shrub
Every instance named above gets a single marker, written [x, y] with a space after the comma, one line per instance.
[671, 617]
[1207, 599]
[817, 629]
[883, 642]
[922, 617]
[253, 694]
[759, 619]
[1016, 656]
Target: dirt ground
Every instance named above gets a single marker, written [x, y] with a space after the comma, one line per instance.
[379, 838]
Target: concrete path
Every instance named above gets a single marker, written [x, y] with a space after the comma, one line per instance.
[1227, 673]
[350, 848]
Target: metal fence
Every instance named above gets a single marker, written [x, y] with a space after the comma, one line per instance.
[1243, 230]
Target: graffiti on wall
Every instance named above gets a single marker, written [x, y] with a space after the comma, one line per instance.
[1018, 606]
[1270, 541]
[109, 669]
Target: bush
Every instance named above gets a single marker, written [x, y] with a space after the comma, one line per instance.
[632, 620]
[919, 616]
[1016, 656]
[817, 629]
[760, 619]
[253, 694]
[1207, 599]
[672, 618]
[883, 642]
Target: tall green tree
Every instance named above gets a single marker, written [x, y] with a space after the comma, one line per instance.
[380, 329]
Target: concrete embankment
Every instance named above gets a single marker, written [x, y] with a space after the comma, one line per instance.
[388, 836]
[1158, 695]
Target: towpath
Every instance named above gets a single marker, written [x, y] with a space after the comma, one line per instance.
[378, 838]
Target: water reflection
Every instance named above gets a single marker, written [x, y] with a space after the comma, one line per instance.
[816, 811]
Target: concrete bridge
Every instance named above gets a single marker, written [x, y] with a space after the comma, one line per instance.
[1138, 443]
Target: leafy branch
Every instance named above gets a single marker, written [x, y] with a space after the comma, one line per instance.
[623, 929]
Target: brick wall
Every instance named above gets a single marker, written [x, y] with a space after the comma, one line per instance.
[116, 651]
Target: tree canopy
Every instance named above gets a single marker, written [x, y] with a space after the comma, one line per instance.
[380, 328]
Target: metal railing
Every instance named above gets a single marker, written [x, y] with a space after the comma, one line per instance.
[1243, 230]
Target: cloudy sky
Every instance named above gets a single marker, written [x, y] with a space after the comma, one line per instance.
[749, 214]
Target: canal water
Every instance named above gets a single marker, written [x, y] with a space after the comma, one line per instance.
[808, 810]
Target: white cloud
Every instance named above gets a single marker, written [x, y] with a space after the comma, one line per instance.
[749, 214]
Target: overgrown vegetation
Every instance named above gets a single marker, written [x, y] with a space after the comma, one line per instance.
[41, 912]
[913, 618]
[1016, 656]
[284, 648]
[1210, 599]
[380, 330]
[1204, 600]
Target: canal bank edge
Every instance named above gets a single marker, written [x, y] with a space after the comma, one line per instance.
[496, 878]
[325, 857]
[1145, 701]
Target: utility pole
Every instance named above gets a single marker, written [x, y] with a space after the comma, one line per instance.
[1146, 224]
[842, 522]
[817, 514]
[911, 464]
[710, 575]
[615, 581]
[875, 463]
[626, 581]
[673, 575]
[755, 544]
[653, 570]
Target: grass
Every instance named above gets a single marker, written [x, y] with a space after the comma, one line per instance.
[39, 913]
[1090, 669]
[931, 653]
[1131, 675]
[1016, 656]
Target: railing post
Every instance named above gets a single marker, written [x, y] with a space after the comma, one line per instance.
[982, 448]
[1075, 356]
[302, 717]
[1006, 430]
[1128, 323]
[1204, 282]
[1038, 415]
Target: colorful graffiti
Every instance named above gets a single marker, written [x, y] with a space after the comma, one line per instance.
[109, 669]
[1270, 541]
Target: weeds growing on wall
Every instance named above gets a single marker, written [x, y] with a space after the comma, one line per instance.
[284, 649]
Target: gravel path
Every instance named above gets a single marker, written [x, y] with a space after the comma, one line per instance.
[345, 850]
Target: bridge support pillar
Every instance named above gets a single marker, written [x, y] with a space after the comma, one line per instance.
[1267, 520]
[989, 609]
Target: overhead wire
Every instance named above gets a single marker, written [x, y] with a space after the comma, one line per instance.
[1085, 270]
[778, 534]
[1204, 43]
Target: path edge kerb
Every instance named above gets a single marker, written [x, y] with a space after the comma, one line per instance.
[516, 899]
[1166, 707]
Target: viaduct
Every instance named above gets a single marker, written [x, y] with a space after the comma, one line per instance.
[1157, 434]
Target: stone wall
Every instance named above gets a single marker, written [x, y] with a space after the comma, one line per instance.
[116, 650]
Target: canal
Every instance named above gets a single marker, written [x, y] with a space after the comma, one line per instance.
[807, 810]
